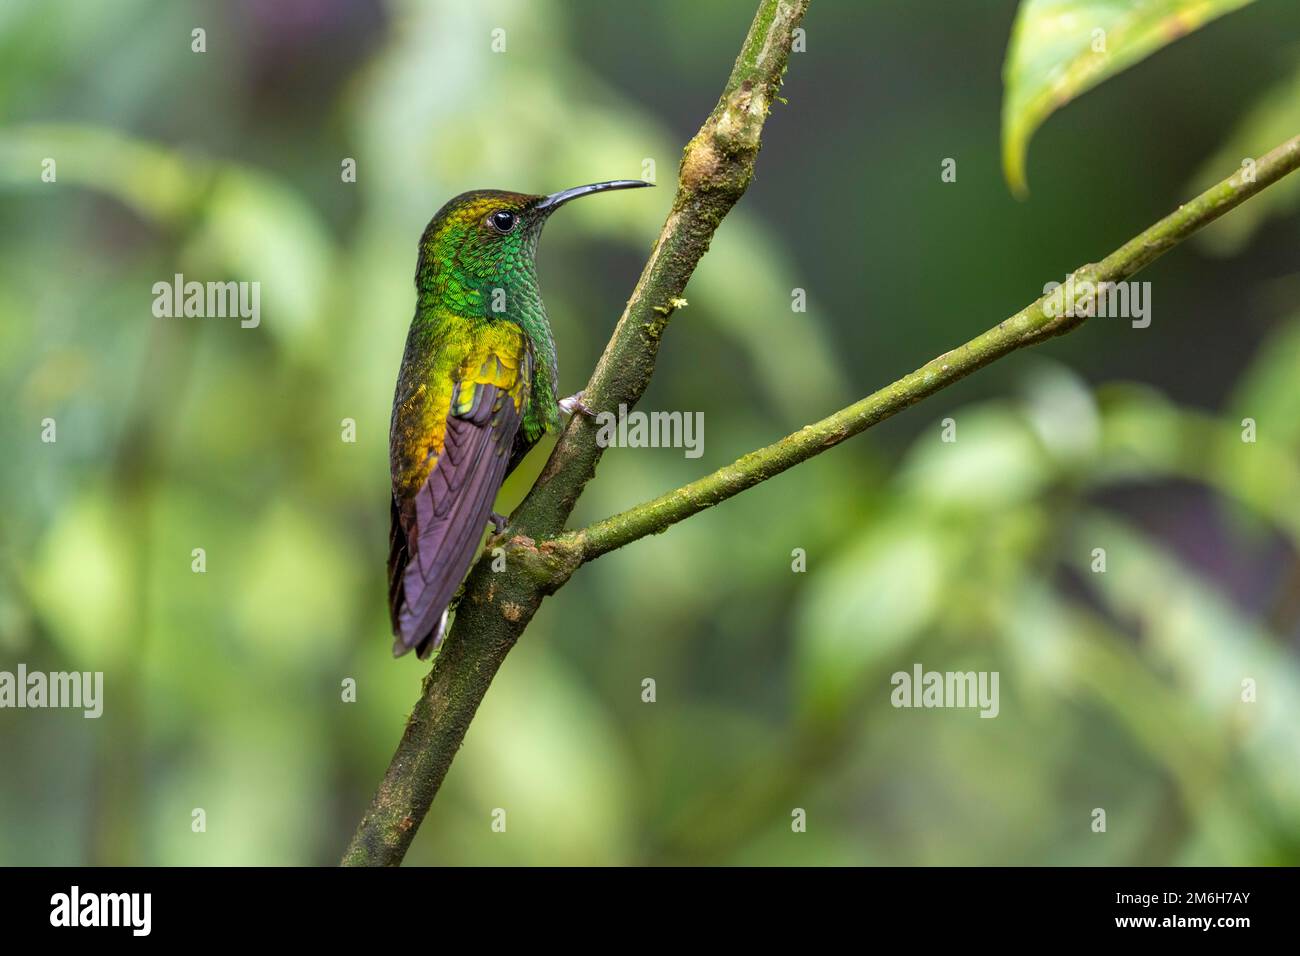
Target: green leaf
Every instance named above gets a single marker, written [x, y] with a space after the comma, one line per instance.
[1274, 117]
[1203, 645]
[154, 181]
[995, 460]
[1266, 392]
[1062, 48]
[866, 607]
[1146, 438]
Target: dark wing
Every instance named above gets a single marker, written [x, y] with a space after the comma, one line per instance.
[437, 529]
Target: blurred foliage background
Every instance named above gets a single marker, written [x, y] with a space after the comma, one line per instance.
[1120, 690]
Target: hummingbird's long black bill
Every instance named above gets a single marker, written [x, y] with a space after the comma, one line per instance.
[556, 200]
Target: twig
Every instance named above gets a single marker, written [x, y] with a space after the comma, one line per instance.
[1027, 327]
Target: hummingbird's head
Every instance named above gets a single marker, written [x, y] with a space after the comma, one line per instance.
[486, 239]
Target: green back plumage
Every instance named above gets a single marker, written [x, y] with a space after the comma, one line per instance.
[469, 275]
[476, 390]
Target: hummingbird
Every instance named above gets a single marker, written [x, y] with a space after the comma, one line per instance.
[475, 392]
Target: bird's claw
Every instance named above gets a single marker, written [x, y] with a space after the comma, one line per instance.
[499, 522]
[574, 403]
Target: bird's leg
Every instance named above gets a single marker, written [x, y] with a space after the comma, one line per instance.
[499, 522]
[574, 403]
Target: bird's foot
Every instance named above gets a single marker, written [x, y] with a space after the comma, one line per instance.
[499, 522]
[574, 403]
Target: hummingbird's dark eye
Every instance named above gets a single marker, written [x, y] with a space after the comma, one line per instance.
[503, 221]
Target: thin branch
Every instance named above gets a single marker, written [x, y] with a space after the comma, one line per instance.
[1027, 327]
[717, 166]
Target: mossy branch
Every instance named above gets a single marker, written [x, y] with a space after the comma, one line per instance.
[717, 166]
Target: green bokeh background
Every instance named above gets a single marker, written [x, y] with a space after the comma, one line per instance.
[1119, 690]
